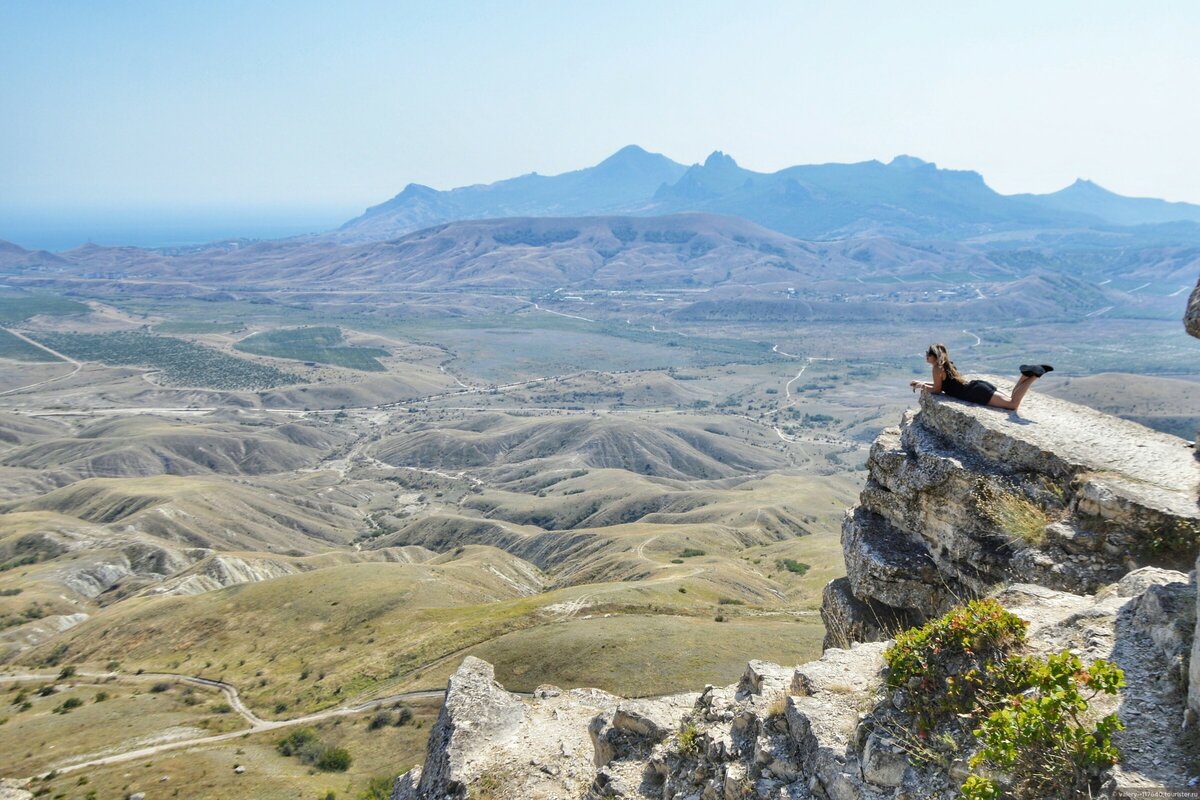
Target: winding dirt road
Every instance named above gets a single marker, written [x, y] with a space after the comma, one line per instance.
[256, 723]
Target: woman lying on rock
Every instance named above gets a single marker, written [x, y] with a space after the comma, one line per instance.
[948, 380]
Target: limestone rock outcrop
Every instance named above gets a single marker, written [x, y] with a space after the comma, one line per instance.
[819, 730]
[962, 500]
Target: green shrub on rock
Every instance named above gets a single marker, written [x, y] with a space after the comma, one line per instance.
[949, 664]
[1026, 717]
[1043, 737]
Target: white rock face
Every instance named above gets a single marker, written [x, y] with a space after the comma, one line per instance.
[217, 572]
[962, 500]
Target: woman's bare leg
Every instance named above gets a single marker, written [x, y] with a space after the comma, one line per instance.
[1001, 400]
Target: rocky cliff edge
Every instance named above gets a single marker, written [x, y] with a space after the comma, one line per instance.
[1070, 518]
[962, 500]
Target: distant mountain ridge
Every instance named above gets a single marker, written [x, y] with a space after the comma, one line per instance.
[623, 180]
[1086, 197]
[906, 198]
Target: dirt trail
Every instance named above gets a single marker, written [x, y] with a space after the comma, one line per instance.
[256, 723]
[40, 346]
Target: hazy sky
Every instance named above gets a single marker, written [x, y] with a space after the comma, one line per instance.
[325, 108]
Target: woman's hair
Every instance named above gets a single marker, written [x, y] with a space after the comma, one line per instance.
[939, 352]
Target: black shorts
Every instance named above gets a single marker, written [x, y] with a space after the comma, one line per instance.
[978, 391]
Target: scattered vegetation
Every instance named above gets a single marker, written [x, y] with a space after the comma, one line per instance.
[792, 565]
[690, 552]
[66, 705]
[182, 363]
[1179, 539]
[378, 788]
[1042, 737]
[949, 662]
[321, 345]
[1026, 716]
[1016, 517]
[689, 739]
[21, 561]
[528, 236]
[304, 744]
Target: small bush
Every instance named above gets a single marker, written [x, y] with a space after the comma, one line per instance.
[792, 565]
[221, 708]
[690, 552]
[100, 697]
[951, 662]
[160, 687]
[730, 601]
[295, 741]
[334, 759]
[66, 672]
[1040, 737]
[689, 739]
[66, 705]
[379, 788]
[403, 717]
[381, 719]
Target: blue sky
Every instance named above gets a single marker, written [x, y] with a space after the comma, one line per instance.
[320, 109]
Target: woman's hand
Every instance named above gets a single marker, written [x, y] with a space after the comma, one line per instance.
[914, 385]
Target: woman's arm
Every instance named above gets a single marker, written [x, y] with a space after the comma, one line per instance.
[935, 387]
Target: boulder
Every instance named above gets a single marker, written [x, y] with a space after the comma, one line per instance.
[883, 761]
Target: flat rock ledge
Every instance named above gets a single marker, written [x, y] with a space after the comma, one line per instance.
[822, 730]
[962, 500]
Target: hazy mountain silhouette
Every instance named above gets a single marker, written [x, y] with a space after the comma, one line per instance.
[1085, 197]
[621, 182]
[905, 198]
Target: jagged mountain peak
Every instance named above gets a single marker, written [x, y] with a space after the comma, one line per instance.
[718, 160]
